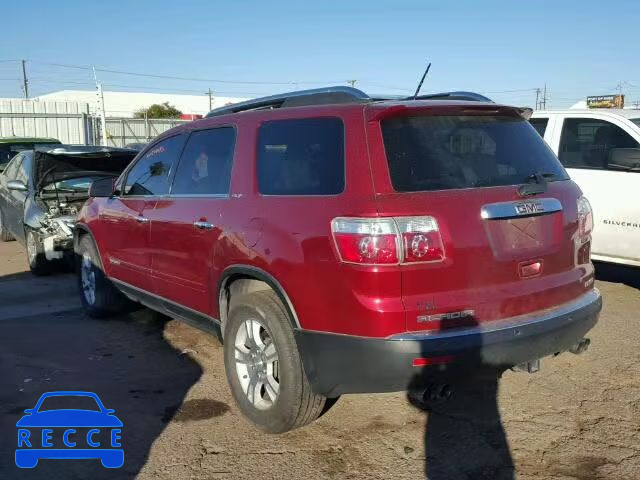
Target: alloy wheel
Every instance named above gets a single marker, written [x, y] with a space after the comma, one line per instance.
[88, 279]
[256, 361]
[32, 248]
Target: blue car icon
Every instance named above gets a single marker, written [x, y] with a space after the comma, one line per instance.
[83, 432]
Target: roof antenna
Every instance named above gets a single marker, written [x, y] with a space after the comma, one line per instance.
[415, 95]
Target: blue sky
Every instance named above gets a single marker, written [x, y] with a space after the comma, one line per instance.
[502, 48]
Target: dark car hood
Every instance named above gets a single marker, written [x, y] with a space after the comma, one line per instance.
[50, 167]
[69, 418]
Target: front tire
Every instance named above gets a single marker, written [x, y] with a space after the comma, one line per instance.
[263, 365]
[38, 263]
[100, 298]
[5, 236]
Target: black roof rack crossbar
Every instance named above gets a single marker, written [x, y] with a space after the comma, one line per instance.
[316, 96]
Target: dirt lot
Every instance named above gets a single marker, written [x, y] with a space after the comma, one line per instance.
[579, 418]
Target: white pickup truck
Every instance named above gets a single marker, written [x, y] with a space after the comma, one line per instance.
[601, 151]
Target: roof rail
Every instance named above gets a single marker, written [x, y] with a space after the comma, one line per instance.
[332, 95]
[315, 96]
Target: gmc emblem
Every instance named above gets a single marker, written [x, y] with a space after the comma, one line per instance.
[529, 208]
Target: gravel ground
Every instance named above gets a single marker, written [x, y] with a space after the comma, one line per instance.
[578, 418]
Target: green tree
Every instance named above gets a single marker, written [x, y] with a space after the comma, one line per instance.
[162, 110]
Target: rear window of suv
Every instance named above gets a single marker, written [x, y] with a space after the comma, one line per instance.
[434, 152]
[301, 157]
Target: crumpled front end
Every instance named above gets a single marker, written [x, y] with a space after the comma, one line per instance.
[56, 230]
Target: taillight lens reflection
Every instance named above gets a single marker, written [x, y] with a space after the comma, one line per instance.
[377, 249]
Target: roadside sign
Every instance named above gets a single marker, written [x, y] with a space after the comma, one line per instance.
[605, 101]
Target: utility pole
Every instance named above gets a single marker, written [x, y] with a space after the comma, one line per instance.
[25, 82]
[352, 82]
[543, 102]
[619, 86]
[103, 115]
[210, 93]
[537, 98]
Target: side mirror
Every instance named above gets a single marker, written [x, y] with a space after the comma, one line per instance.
[625, 159]
[104, 187]
[16, 185]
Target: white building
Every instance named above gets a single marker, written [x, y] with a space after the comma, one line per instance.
[124, 104]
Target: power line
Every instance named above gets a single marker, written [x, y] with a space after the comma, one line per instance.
[513, 91]
[542, 101]
[378, 85]
[185, 79]
[71, 82]
[39, 80]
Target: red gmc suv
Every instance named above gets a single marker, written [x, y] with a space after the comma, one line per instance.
[340, 243]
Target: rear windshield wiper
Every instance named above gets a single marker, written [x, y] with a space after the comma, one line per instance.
[536, 184]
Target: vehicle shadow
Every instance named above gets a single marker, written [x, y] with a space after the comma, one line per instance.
[126, 361]
[464, 437]
[16, 276]
[611, 272]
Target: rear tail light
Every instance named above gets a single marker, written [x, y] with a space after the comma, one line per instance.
[362, 240]
[421, 239]
[387, 241]
[584, 253]
[585, 219]
[585, 227]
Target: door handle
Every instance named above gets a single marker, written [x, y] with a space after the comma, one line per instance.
[200, 225]
[141, 219]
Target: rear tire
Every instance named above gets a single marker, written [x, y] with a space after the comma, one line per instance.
[263, 365]
[38, 263]
[100, 298]
[5, 236]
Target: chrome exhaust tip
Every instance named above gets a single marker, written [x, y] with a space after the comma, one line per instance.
[581, 346]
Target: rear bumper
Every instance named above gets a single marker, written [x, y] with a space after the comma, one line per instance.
[337, 364]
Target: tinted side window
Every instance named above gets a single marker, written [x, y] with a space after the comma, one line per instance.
[301, 157]
[24, 170]
[586, 142]
[5, 154]
[540, 124]
[205, 164]
[150, 174]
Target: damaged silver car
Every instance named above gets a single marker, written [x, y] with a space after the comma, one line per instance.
[41, 193]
